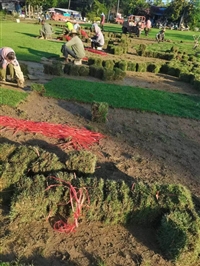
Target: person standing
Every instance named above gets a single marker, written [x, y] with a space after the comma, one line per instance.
[148, 27]
[9, 64]
[46, 30]
[69, 26]
[77, 27]
[74, 47]
[103, 18]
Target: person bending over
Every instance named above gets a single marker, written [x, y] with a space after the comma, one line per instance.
[160, 36]
[74, 47]
[10, 65]
[97, 41]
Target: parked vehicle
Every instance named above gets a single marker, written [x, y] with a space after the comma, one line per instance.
[61, 14]
[134, 24]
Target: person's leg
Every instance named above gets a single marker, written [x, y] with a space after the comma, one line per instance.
[92, 44]
[98, 46]
[42, 33]
[11, 71]
[66, 51]
[3, 74]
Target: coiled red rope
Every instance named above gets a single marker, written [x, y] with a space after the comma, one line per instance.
[76, 137]
[77, 199]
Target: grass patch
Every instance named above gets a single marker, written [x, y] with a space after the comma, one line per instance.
[25, 43]
[160, 102]
[11, 98]
[167, 207]
[24, 33]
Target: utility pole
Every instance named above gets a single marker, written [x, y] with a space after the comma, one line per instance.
[69, 4]
[118, 6]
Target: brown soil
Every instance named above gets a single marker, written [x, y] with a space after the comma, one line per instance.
[138, 146]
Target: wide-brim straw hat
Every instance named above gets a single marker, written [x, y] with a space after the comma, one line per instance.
[73, 32]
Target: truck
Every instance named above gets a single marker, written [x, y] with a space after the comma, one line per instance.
[134, 24]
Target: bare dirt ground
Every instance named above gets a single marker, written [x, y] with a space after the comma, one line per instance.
[138, 146]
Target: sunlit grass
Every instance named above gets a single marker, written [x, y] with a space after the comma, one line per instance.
[22, 38]
[117, 96]
[11, 97]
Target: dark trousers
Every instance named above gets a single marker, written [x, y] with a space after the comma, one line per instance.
[94, 43]
[66, 51]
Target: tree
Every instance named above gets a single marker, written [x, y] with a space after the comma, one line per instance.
[176, 9]
[135, 7]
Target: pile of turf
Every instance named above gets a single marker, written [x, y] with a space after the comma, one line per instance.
[37, 180]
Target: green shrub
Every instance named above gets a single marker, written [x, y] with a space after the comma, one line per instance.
[174, 71]
[109, 64]
[39, 88]
[154, 68]
[164, 69]
[141, 67]
[74, 70]
[66, 69]
[131, 66]
[141, 49]
[99, 112]
[91, 61]
[97, 72]
[196, 84]
[55, 69]
[108, 74]
[179, 236]
[110, 48]
[39, 187]
[24, 69]
[118, 50]
[81, 162]
[119, 74]
[122, 65]
[186, 77]
[83, 70]
[174, 49]
[98, 62]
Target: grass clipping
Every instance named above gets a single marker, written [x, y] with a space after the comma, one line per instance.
[169, 207]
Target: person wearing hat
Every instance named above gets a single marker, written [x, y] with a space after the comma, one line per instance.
[9, 64]
[160, 36]
[103, 18]
[73, 47]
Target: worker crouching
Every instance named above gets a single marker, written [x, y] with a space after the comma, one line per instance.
[73, 47]
[10, 65]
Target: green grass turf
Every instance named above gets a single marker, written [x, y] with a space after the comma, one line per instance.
[22, 38]
[173, 104]
[11, 97]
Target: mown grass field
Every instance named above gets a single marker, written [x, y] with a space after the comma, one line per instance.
[29, 48]
[117, 96]
[22, 38]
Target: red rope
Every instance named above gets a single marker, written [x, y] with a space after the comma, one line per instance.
[95, 51]
[79, 137]
[77, 199]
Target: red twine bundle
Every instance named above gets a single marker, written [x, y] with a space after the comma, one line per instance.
[79, 137]
[95, 51]
[77, 198]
